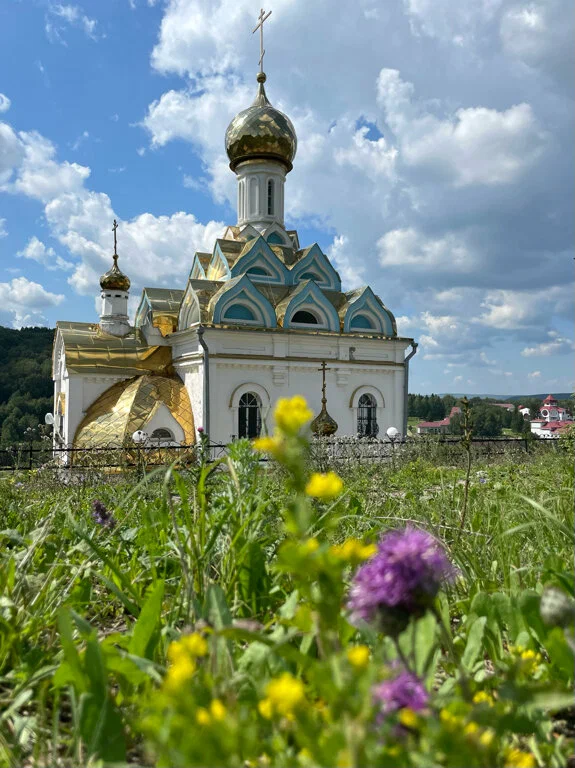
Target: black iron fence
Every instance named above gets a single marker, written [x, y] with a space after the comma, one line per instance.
[324, 451]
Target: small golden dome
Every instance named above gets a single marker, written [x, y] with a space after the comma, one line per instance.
[114, 279]
[261, 132]
[323, 424]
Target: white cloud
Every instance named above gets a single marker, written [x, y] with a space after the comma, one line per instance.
[72, 15]
[410, 249]
[511, 310]
[37, 251]
[11, 152]
[456, 23]
[534, 375]
[26, 300]
[4, 103]
[472, 146]
[3, 230]
[557, 345]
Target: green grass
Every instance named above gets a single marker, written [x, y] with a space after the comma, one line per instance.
[201, 548]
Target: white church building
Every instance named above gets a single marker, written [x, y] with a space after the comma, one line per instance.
[255, 320]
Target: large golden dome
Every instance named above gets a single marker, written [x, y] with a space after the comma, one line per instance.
[261, 132]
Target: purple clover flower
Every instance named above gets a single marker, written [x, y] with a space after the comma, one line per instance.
[404, 690]
[200, 430]
[482, 480]
[101, 516]
[400, 581]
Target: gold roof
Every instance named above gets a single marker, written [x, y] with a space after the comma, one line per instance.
[261, 132]
[129, 405]
[89, 350]
[164, 305]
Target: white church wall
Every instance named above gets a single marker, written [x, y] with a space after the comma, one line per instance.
[163, 419]
[280, 364]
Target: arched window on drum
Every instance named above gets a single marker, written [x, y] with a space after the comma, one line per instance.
[249, 415]
[367, 416]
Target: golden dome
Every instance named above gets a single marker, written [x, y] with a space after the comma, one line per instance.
[114, 279]
[129, 405]
[261, 132]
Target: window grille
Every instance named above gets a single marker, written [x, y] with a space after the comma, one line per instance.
[367, 416]
[249, 415]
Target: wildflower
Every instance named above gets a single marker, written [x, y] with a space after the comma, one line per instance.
[358, 656]
[310, 546]
[324, 486]
[284, 695]
[352, 550]
[471, 729]
[405, 690]
[450, 721]
[482, 480]
[203, 716]
[101, 515]
[180, 673]
[482, 697]
[217, 710]
[515, 758]
[195, 644]
[267, 444]
[291, 414]
[400, 581]
[408, 718]
[486, 738]
[201, 430]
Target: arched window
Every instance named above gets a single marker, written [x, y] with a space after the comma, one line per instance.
[253, 195]
[238, 312]
[162, 435]
[367, 416]
[304, 317]
[361, 321]
[275, 239]
[249, 415]
[270, 197]
[310, 276]
[258, 272]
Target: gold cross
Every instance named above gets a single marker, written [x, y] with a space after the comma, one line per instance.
[261, 18]
[114, 228]
[323, 369]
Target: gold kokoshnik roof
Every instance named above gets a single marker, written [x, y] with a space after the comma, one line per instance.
[261, 132]
[90, 351]
[129, 405]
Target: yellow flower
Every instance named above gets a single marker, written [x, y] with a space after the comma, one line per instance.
[291, 414]
[305, 755]
[310, 546]
[515, 758]
[471, 729]
[179, 674]
[324, 486]
[268, 444]
[344, 759]
[358, 656]
[482, 697]
[408, 718]
[195, 644]
[265, 708]
[285, 694]
[451, 722]
[203, 716]
[218, 711]
[352, 550]
[486, 738]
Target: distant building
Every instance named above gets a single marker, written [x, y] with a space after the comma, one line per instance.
[507, 406]
[437, 427]
[552, 419]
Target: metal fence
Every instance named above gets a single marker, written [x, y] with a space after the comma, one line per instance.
[324, 451]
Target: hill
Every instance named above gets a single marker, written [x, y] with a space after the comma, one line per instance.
[511, 398]
[25, 382]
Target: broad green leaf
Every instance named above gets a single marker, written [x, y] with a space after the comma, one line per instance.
[217, 611]
[474, 643]
[145, 634]
[70, 653]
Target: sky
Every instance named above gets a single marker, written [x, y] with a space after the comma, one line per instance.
[435, 161]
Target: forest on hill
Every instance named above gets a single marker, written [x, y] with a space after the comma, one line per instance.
[25, 382]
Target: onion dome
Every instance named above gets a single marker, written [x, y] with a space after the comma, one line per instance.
[323, 425]
[114, 279]
[261, 132]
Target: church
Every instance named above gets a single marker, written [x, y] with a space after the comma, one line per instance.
[256, 321]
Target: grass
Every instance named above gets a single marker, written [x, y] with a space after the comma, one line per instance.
[88, 611]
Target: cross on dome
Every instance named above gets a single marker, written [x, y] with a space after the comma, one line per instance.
[261, 18]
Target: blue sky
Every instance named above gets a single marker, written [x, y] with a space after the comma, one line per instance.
[435, 161]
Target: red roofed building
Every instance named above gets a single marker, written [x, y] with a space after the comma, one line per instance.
[437, 427]
[551, 420]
